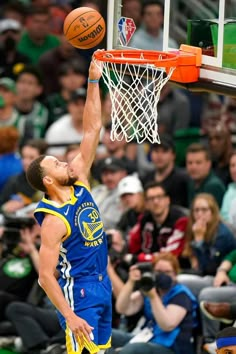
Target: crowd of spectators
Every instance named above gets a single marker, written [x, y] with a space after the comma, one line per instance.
[176, 216]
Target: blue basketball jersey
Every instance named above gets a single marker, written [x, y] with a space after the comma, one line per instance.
[84, 247]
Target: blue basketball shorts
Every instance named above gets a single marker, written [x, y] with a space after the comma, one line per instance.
[90, 298]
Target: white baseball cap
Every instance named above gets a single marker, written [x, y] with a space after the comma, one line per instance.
[129, 185]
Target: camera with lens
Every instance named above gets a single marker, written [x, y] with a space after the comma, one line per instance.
[12, 228]
[147, 281]
[151, 279]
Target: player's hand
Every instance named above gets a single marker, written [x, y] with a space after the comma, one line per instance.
[95, 69]
[80, 328]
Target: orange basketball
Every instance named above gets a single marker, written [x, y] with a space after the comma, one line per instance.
[84, 27]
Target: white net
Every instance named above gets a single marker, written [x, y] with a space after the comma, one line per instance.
[135, 91]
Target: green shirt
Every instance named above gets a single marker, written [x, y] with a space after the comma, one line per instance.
[211, 184]
[33, 50]
[231, 257]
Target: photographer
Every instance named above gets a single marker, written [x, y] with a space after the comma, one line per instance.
[169, 310]
[19, 260]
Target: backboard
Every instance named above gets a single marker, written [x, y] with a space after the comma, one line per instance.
[208, 24]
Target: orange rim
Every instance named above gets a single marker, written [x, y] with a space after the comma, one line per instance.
[157, 58]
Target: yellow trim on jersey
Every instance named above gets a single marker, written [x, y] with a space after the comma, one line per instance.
[78, 183]
[55, 213]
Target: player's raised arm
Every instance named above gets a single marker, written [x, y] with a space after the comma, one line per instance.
[92, 123]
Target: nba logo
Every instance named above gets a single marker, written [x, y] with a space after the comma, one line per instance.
[126, 29]
[82, 293]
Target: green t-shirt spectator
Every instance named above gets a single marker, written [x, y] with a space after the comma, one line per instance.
[231, 257]
[34, 51]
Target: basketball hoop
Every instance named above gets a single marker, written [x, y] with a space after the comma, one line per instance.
[135, 79]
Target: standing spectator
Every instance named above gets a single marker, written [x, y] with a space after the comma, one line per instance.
[10, 160]
[130, 191]
[11, 60]
[36, 39]
[51, 61]
[220, 146]
[202, 178]
[106, 193]
[160, 229]
[173, 178]
[71, 76]
[67, 129]
[150, 35]
[33, 114]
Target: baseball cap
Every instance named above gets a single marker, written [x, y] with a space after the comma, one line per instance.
[129, 185]
[8, 83]
[112, 164]
[9, 24]
[166, 143]
[79, 93]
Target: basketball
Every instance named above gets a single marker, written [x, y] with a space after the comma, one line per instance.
[84, 27]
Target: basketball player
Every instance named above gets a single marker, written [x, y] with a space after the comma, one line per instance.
[73, 238]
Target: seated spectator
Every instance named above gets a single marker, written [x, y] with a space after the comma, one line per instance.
[220, 146]
[173, 110]
[173, 178]
[17, 192]
[130, 191]
[228, 209]
[133, 9]
[50, 65]
[10, 160]
[150, 35]
[226, 340]
[19, 263]
[33, 114]
[160, 229]
[207, 241]
[71, 77]
[11, 60]
[68, 129]
[8, 114]
[37, 327]
[221, 288]
[106, 193]
[169, 310]
[113, 148]
[15, 10]
[202, 178]
[36, 39]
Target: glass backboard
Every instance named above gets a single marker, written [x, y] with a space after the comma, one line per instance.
[208, 24]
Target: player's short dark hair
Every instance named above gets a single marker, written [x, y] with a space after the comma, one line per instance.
[198, 147]
[35, 174]
[227, 332]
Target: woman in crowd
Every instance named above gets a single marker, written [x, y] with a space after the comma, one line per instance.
[208, 241]
[169, 310]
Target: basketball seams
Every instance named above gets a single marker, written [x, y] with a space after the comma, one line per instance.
[87, 12]
[81, 33]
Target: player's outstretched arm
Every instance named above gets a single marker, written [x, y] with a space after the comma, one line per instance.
[92, 123]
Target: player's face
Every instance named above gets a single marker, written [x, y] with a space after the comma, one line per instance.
[227, 350]
[58, 171]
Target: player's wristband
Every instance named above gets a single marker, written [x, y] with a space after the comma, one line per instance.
[93, 81]
[220, 269]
